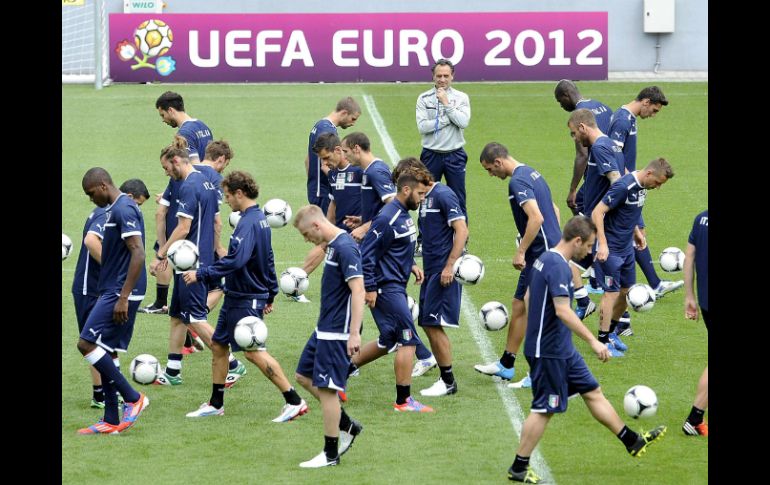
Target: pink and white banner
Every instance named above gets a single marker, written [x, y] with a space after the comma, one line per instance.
[505, 46]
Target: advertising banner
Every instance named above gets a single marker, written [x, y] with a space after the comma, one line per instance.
[505, 46]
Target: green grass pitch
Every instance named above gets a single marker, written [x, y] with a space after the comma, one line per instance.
[470, 439]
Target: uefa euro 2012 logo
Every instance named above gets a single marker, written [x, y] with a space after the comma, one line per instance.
[152, 38]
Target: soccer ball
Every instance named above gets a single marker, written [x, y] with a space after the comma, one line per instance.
[468, 269]
[277, 212]
[234, 218]
[494, 315]
[640, 297]
[671, 259]
[293, 281]
[250, 333]
[66, 246]
[153, 37]
[414, 307]
[183, 255]
[640, 402]
[144, 369]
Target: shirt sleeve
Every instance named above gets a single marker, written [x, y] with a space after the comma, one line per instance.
[605, 161]
[382, 184]
[375, 242]
[450, 206]
[96, 225]
[522, 189]
[238, 254]
[350, 261]
[619, 131]
[165, 199]
[129, 221]
[616, 195]
[558, 279]
[187, 202]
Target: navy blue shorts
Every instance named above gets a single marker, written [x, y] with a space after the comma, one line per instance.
[83, 306]
[524, 279]
[233, 309]
[326, 362]
[450, 165]
[101, 330]
[619, 271]
[555, 380]
[394, 320]
[188, 303]
[439, 305]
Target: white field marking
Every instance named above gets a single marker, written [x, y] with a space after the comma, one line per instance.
[472, 322]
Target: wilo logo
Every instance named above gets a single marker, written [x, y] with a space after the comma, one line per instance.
[152, 38]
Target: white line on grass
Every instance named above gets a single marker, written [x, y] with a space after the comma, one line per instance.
[510, 402]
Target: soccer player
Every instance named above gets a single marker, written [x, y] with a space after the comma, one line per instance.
[197, 206]
[442, 224]
[558, 370]
[387, 254]
[250, 287]
[537, 219]
[622, 131]
[122, 282]
[616, 218]
[345, 115]
[323, 365]
[86, 279]
[376, 184]
[442, 114]
[696, 263]
[170, 106]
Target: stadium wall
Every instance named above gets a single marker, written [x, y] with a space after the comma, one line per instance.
[630, 48]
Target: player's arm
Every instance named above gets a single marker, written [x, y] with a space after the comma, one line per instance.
[425, 123]
[331, 212]
[619, 133]
[557, 212]
[578, 171]
[307, 165]
[597, 216]
[94, 245]
[373, 247]
[160, 222]
[613, 176]
[461, 236]
[460, 114]
[690, 303]
[314, 257]
[135, 247]
[181, 231]
[534, 223]
[357, 300]
[218, 248]
[573, 322]
[360, 232]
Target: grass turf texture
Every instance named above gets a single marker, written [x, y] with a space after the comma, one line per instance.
[470, 438]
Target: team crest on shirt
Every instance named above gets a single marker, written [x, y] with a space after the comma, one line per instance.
[350, 176]
[608, 280]
[406, 334]
[553, 400]
[363, 180]
[329, 252]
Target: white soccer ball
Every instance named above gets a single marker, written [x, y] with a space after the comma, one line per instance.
[671, 260]
[235, 216]
[468, 269]
[250, 333]
[144, 369]
[294, 281]
[494, 315]
[414, 307]
[640, 402]
[66, 246]
[183, 255]
[277, 212]
[641, 297]
[153, 37]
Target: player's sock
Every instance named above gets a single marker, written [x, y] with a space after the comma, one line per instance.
[446, 375]
[592, 282]
[292, 397]
[111, 414]
[603, 337]
[696, 416]
[98, 393]
[520, 464]
[103, 363]
[217, 395]
[174, 364]
[613, 325]
[507, 359]
[644, 260]
[402, 392]
[330, 446]
[581, 295]
[188, 342]
[627, 436]
[344, 420]
[422, 352]
[161, 298]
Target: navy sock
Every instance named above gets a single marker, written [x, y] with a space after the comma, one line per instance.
[422, 352]
[292, 397]
[98, 393]
[161, 298]
[613, 325]
[344, 420]
[696, 416]
[402, 392]
[173, 371]
[217, 395]
[520, 464]
[111, 414]
[644, 260]
[604, 337]
[507, 360]
[233, 364]
[109, 372]
[446, 375]
[628, 437]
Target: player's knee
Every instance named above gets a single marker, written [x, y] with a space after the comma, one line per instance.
[84, 346]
